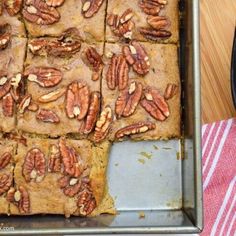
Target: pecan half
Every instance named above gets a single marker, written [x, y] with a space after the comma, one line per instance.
[54, 164]
[171, 91]
[152, 7]
[5, 159]
[12, 6]
[153, 34]
[5, 183]
[93, 112]
[136, 56]
[73, 164]
[122, 26]
[91, 7]
[5, 86]
[54, 3]
[155, 104]
[52, 96]
[20, 198]
[8, 105]
[66, 45]
[117, 73]
[47, 116]
[86, 201]
[5, 35]
[70, 185]
[24, 104]
[136, 128]
[38, 12]
[158, 22]
[128, 100]
[34, 166]
[103, 125]
[77, 100]
[93, 59]
[1, 8]
[44, 76]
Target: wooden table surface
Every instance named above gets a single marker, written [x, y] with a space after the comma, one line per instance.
[218, 20]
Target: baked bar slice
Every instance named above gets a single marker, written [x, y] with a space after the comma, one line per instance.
[141, 88]
[7, 152]
[12, 54]
[142, 20]
[65, 14]
[60, 177]
[62, 89]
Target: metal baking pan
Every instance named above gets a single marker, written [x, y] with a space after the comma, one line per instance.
[156, 185]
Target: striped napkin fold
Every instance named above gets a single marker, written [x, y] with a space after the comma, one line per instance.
[219, 178]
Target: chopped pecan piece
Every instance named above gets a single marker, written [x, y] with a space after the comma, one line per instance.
[93, 59]
[17, 87]
[90, 7]
[5, 86]
[5, 159]
[8, 105]
[12, 6]
[136, 56]
[54, 3]
[66, 45]
[47, 116]
[38, 12]
[24, 104]
[155, 104]
[122, 26]
[44, 76]
[33, 106]
[77, 100]
[20, 198]
[117, 73]
[5, 35]
[5, 183]
[158, 22]
[15, 136]
[73, 163]
[70, 185]
[171, 91]
[153, 34]
[34, 166]
[52, 96]
[128, 100]
[38, 46]
[137, 128]
[54, 164]
[152, 7]
[103, 125]
[93, 112]
[1, 7]
[86, 201]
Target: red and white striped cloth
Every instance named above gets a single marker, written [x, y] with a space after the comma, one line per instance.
[219, 178]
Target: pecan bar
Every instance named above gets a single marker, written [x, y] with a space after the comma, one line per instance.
[142, 20]
[62, 95]
[60, 177]
[11, 67]
[7, 152]
[148, 108]
[51, 20]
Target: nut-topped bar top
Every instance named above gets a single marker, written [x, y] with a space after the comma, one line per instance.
[76, 75]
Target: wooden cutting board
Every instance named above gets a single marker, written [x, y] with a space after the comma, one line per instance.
[218, 20]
